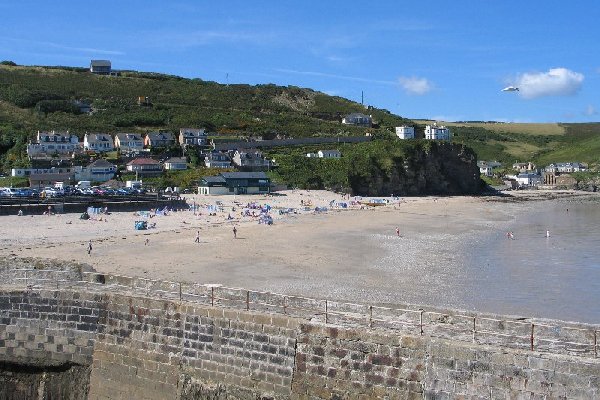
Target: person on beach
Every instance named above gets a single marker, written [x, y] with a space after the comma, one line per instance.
[146, 242]
[234, 232]
[89, 248]
[197, 237]
[398, 232]
[547, 234]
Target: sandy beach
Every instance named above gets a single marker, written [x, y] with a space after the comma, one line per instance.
[341, 253]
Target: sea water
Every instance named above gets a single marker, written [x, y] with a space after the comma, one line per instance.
[555, 276]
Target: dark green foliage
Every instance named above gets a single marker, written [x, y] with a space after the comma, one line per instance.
[50, 106]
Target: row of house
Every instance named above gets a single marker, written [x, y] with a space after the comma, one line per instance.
[432, 132]
[325, 154]
[527, 175]
[66, 143]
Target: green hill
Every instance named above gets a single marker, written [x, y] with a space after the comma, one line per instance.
[42, 98]
[542, 143]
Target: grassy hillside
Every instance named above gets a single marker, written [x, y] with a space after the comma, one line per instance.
[33, 98]
[41, 98]
[542, 143]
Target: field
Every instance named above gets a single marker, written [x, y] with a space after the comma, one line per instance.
[509, 127]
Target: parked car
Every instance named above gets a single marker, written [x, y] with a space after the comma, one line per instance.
[52, 192]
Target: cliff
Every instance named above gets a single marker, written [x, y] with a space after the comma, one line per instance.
[432, 168]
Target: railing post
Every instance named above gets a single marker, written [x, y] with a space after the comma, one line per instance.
[180, 293]
[473, 329]
[326, 310]
[26, 279]
[421, 321]
[285, 304]
[247, 300]
[212, 296]
[595, 343]
[532, 338]
[370, 316]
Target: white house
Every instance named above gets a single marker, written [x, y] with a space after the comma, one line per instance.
[434, 132]
[487, 167]
[98, 171]
[528, 179]
[566, 167]
[175, 164]
[25, 172]
[217, 159]
[193, 137]
[329, 154]
[145, 166]
[357, 119]
[49, 143]
[405, 132]
[129, 142]
[100, 142]
[100, 67]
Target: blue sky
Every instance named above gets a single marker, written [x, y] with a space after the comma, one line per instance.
[420, 59]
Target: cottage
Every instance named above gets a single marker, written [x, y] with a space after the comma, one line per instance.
[405, 132]
[329, 154]
[217, 159]
[357, 119]
[434, 132]
[25, 172]
[250, 160]
[98, 171]
[145, 166]
[487, 167]
[52, 143]
[567, 167]
[129, 142]
[159, 139]
[528, 180]
[524, 167]
[175, 164]
[99, 142]
[193, 137]
[100, 67]
[49, 179]
[235, 183]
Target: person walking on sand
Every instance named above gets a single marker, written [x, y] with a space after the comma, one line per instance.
[547, 234]
[234, 232]
[398, 232]
[197, 237]
[89, 248]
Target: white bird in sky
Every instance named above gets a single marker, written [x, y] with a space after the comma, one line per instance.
[510, 89]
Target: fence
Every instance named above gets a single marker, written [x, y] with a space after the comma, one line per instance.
[522, 333]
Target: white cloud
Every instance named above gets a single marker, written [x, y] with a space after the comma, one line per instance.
[590, 110]
[415, 85]
[555, 82]
[334, 76]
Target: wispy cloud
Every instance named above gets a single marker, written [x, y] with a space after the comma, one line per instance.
[334, 76]
[554, 82]
[590, 110]
[60, 46]
[415, 85]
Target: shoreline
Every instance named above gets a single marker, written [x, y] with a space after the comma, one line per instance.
[347, 254]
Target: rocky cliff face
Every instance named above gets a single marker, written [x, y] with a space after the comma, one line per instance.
[435, 169]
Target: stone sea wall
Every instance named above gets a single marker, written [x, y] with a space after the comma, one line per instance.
[165, 341]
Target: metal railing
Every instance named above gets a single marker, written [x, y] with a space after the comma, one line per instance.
[522, 333]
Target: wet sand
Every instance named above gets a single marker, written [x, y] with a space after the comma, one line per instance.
[341, 254]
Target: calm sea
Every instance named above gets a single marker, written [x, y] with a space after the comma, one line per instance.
[534, 275]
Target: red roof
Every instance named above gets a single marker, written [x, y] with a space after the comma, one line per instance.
[143, 161]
